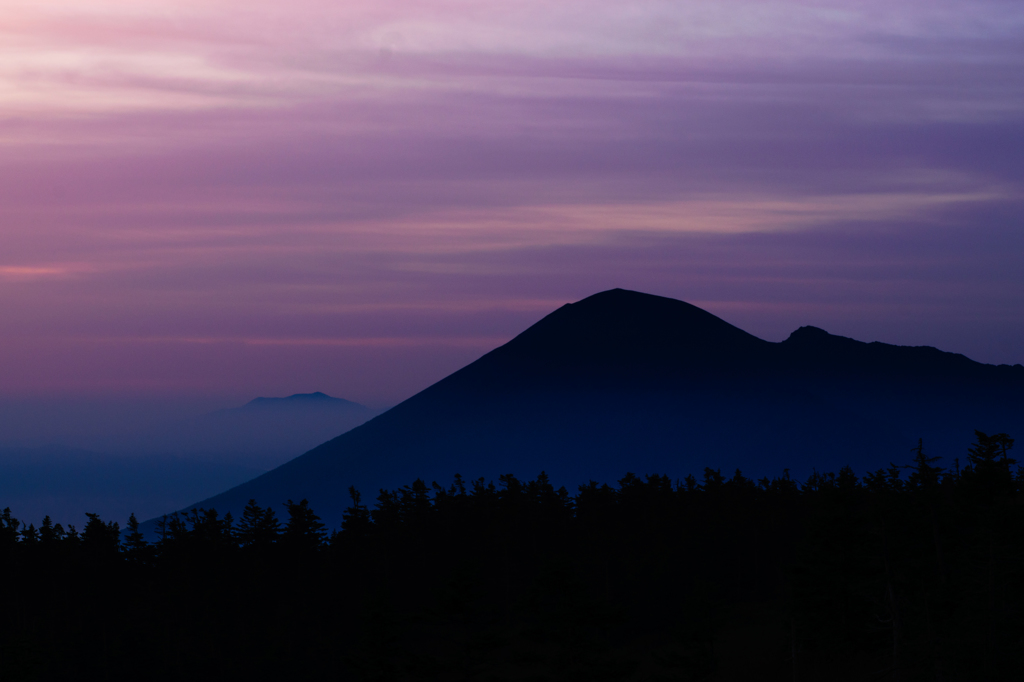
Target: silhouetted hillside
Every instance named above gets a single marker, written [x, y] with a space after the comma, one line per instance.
[629, 381]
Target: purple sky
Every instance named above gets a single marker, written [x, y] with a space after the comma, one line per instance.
[262, 198]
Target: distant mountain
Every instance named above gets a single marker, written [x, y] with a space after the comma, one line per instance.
[624, 381]
[266, 431]
[299, 401]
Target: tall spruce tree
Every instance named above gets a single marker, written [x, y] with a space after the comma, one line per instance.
[356, 519]
[8, 530]
[50, 533]
[303, 532]
[99, 538]
[989, 473]
[257, 527]
[29, 535]
[135, 545]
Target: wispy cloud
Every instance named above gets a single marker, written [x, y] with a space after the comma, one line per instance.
[203, 194]
[22, 273]
[107, 56]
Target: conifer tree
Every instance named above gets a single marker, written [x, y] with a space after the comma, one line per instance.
[72, 538]
[50, 533]
[208, 529]
[175, 532]
[924, 484]
[713, 479]
[257, 527]
[135, 545]
[925, 476]
[386, 513]
[356, 519]
[414, 502]
[161, 531]
[101, 538]
[29, 534]
[989, 472]
[8, 530]
[303, 531]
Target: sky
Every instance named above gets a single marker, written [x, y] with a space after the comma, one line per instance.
[210, 201]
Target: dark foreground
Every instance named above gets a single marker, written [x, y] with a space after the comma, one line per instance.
[911, 573]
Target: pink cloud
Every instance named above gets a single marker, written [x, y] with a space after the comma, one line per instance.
[359, 197]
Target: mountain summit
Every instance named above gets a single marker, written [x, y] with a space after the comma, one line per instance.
[625, 381]
[619, 338]
[303, 400]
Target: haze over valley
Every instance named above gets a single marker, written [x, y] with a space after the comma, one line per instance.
[117, 457]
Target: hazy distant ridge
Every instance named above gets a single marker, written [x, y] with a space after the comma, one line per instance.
[298, 400]
[265, 431]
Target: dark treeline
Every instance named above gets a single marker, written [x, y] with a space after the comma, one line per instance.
[915, 572]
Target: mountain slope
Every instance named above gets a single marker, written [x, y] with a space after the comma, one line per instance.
[624, 381]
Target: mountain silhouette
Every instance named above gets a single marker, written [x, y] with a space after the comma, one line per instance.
[625, 381]
[265, 431]
[298, 400]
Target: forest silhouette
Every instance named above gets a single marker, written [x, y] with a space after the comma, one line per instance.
[913, 572]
